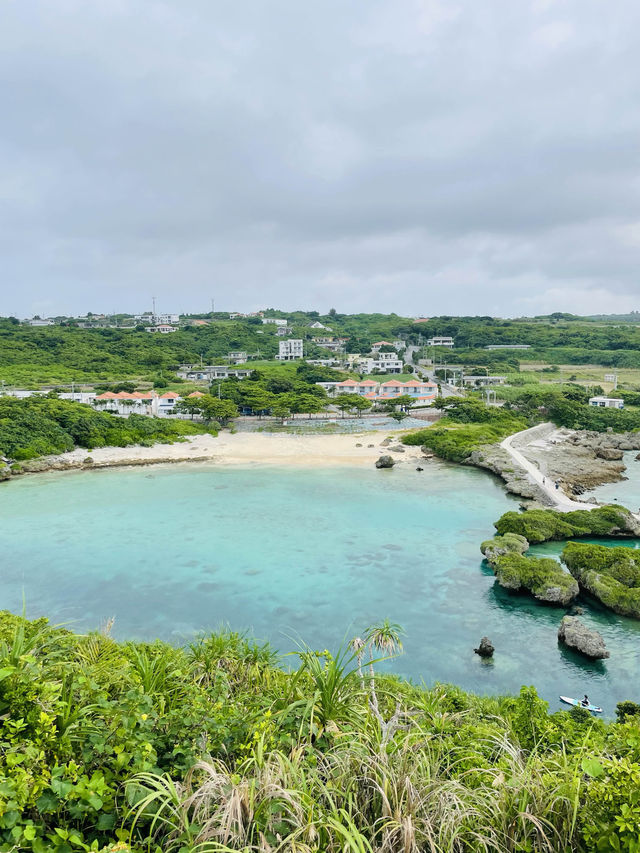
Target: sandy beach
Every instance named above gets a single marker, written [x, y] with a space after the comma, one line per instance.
[243, 448]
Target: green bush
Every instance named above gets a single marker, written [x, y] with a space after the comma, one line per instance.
[543, 577]
[610, 574]
[542, 525]
[36, 426]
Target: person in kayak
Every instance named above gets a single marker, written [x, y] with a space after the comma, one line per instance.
[585, 702]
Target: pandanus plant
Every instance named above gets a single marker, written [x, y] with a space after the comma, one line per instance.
[385, 639]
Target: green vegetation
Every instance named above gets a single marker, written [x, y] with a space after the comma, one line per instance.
[40, 425]
[610, 574]
[467, 426]
[144, 747]
[542, 525]
[510, 543]
[543, 577]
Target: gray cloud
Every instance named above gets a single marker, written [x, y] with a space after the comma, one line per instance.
[423, 156]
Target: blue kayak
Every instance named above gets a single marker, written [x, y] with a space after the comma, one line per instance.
[578, 703]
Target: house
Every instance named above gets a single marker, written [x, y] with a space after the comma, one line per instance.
[165, 403]
[508, 346]
[440, 341]
[480, 381]
[207, 373]
[378, 344]
[122, 403]
[276, 321]
[330, 343]
[290, 349]
[318, 325]
[281, 331]
[606, 402]
[326, 362]
[386, 361]
[161, 328]
[421, 391]
[238, 357]
[36, 321]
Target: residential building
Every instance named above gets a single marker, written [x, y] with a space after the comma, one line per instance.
[326, 362]
[206, 373]
[421, 391]
[290, 349]
[276, 321]
[122, 403]
[161, 329]
[238, 357]
[481, 381]
[385, 361]
[379, 344]
[330, 343]
[508, 346]
[36, 321]
[440, 341]
[318, 325]
[281, 331]
[606, 402]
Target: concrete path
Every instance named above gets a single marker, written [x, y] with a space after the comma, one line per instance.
[557, 497]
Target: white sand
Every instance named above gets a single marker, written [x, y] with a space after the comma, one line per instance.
[246, 448]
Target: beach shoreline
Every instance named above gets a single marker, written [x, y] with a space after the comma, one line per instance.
[244, 448]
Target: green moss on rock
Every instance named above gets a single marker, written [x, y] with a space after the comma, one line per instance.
[541, 525]
[510, 543]
[543, 577]
[611, 575]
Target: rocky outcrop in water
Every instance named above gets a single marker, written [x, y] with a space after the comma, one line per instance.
[543, 577]
[510, 543]
[612, 575]
[575, 634]
[611, 454]
[486, 648]
[385, 461]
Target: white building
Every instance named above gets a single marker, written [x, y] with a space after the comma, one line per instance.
[161, 329]
[238, 357]
[481, 380]
[290, 349]
[276, 321]
[281, 331]
[440, 342]
[318, 325]
[38, 322]
[207, 373]
[420, 391]
[606, 402]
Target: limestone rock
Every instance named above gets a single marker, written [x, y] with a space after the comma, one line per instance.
[5, 472]
[573, 633]
[609, 453]
[385, 462]
[510, 543]
[485, 649]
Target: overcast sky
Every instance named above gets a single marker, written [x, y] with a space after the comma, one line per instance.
[415, 156]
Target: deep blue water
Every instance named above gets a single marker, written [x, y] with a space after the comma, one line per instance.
[310, 554]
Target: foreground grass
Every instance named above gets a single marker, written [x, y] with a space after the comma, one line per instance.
[144, 747]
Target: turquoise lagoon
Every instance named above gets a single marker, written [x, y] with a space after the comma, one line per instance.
[298, 554]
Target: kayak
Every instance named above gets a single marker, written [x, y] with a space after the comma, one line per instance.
[578, 703]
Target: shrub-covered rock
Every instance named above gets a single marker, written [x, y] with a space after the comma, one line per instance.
[612, 575]
[510, 543]
[543, 577]
[575, 634]
[541, 525]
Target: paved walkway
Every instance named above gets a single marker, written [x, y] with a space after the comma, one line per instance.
[557, 497]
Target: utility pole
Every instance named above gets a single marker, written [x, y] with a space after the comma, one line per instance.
[213, 310]
[153, 299]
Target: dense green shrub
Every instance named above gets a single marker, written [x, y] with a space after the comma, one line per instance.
[467, 426]
[40, 425]
[610, 574]
[543, 577]
[541, 525]
[143, 746]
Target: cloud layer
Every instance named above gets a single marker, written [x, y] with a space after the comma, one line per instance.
[422, 156]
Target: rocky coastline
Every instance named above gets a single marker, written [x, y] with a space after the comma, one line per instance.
[578, 459]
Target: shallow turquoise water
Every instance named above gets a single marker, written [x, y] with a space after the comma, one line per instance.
[314, 554]
[625, 492]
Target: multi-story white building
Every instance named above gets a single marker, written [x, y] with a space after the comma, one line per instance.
[238, 357]
[440, 342]
[420, 391]
[276, 321]
[290, 349]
